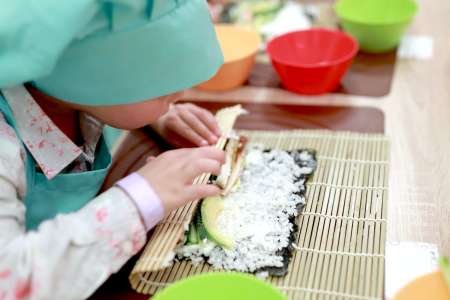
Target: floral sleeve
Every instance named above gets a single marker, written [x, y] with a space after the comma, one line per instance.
[70, 256]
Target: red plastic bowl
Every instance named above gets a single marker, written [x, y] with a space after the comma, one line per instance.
[312, 61]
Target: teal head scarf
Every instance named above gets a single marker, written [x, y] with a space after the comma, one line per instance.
[98, 52]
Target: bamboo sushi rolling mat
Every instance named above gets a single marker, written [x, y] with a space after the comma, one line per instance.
[340, 247]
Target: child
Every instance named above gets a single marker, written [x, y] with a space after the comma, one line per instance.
[89, 63]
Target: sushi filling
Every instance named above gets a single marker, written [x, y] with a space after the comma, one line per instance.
[252, 227]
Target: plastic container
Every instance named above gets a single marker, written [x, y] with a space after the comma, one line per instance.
[220, 286]
[239, 46]
[312, 61]
[430, 286]
[378, 25]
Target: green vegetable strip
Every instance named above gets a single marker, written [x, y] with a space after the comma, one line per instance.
[192, 235]
[445, 269]
[201, 231]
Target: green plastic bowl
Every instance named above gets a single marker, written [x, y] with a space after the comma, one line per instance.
[378, 25]
[220, 286]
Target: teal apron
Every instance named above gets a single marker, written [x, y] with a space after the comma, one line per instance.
[65, 193]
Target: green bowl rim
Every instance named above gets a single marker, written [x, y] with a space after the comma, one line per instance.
[189, 279]
[407, 19]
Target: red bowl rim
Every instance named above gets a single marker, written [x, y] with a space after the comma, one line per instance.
[347, 57]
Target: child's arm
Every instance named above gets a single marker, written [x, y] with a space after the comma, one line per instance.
[70, 256]
[187, 125]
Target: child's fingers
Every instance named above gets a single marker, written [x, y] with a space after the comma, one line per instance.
[198, 126]
[210, 152]
[200, 166]
[193, 154]
[199, 191]
[208, 119]
[186, 131]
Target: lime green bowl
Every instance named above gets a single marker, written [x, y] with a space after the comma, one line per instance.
[378, 25]
[220, 286]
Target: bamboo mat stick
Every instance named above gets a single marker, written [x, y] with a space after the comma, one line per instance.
[344, 262]
[310, 233]
[377, 214]
[377, 225]
[357, 274]
[172, 272]
[323, 260]
[362, 227]
[318, 234]
[300, 257]
[373, 269]
[352, 229]
[383, 227]
[380, 199]
[188, 268]
[335, 227]
[326, 190]
[159, 275]
[350, 224]
[345, 199]
[341, 261]
[385, 207]
[367, 236]
[338, 181]
[313, 192]
[149, 277]
[361, 237]
[369, 229]
[365, 225]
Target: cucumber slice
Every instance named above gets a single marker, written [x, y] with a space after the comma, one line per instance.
[192, 237]
[210, 210]
[201, 230]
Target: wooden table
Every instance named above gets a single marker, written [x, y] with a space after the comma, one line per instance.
[416, 118]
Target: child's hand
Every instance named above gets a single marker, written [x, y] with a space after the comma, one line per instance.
[187, 125]
[171, 175]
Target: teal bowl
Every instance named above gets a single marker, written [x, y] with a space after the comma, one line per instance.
[378, 25]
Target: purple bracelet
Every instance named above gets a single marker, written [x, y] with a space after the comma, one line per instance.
[147, 201]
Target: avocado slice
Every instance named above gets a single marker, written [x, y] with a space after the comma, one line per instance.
[210, 210]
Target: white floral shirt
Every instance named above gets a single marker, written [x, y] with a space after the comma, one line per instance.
[70, 256]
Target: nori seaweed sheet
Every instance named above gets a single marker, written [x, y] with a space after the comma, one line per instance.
[287, 252]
